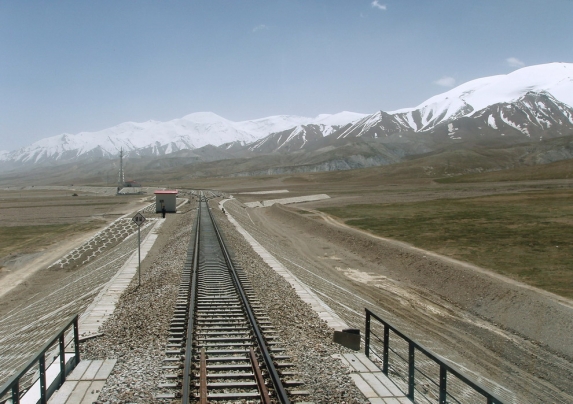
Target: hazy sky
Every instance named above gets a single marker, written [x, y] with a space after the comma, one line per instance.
[71, 66]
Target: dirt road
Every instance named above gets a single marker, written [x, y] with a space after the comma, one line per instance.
[514, 339]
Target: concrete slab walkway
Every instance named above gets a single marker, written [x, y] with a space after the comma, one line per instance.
[84, 384]
[103, 305]
[286, 201]
[308, 296]
[370, 380]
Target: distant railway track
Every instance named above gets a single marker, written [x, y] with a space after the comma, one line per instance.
[222, 346]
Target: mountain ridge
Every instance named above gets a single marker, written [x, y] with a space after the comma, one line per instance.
[529, 103]
[160, 138]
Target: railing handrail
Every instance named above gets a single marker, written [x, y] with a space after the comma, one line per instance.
[7, 386]
[436, 358]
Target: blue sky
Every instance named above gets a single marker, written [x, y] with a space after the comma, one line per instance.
[71, 66]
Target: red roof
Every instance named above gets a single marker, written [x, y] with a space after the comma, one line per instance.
[166, 191]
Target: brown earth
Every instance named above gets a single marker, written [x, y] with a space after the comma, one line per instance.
[26, 208]
[514, 336]
[517, 338]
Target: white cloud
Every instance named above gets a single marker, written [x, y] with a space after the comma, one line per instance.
[446, 81]
[514, 62]
[260, 28]
[376, 4]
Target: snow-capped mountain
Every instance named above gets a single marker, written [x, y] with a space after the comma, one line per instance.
[471, 99]
[475, 95]
[152, 137]
[296, 138]
[289, 140]
[528, 104]
[534, 116]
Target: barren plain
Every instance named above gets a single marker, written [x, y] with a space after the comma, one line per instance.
[38, 225]
[512, 337]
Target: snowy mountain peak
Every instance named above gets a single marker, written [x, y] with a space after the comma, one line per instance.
[158, 138]
[340, 119]
[204, 117]
[554, 78]
[529, 101]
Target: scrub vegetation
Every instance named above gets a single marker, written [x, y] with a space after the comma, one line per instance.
[527, 236]
[31, 220]
[29, 239]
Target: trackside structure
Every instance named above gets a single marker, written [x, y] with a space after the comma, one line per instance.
[167, 198]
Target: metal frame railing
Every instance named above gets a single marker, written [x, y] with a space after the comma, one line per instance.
[444, 369]
[13, 384]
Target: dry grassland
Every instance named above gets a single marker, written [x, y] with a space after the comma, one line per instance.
[527, 236]
[557, 170]
[518, 223]
[33, 220]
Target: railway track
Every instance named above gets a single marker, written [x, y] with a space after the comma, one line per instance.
[222, 347]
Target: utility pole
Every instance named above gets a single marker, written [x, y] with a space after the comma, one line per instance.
[121, 179]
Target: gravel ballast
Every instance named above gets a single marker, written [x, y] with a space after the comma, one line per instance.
[306, 338]
[137, 332]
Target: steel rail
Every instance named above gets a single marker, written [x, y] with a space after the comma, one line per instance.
[273, 373]
[203, 393]
[265, 398]
[186, 385]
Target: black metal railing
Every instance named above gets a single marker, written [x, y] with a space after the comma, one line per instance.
[416, 368]
[13, 389]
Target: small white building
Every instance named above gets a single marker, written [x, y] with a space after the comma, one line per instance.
[167, 198]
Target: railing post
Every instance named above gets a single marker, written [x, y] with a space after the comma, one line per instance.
[77, 340]
[43, 398]
[410, 377]
[367, 335]
[385, 349]
[411, 369]
[38, 361]
[443, 384]
[16, 392]
[62, 360]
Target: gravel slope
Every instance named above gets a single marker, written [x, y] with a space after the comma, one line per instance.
[513, 340]
[137, 332]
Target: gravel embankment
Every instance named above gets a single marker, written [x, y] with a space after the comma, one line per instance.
[306, 338]
[137, 332]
